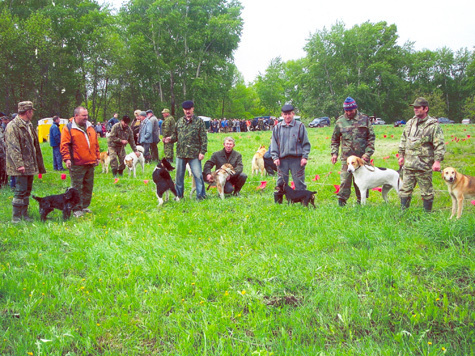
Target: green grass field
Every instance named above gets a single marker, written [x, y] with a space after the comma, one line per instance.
[242, 276]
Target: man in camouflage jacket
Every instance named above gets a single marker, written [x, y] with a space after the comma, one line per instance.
[353, 131]
[24, 158]
[192, 144]
[120, 135]
[421, 150]
[168, 127]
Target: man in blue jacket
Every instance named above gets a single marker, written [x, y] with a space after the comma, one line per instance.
[55, 141]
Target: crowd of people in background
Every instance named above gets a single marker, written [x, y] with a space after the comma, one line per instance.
[224, 125]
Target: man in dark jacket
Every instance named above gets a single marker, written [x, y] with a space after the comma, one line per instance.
[234, 158]
[120, 135]
[55, 142]
[24, 158]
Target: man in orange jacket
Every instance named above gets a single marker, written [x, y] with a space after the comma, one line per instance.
[80, 152]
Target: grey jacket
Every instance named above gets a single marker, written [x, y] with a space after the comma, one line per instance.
[146, 131]
[289, 140]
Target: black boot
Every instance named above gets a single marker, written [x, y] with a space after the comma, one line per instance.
[341, 202]
[428, 205]
[120, 172]
[114, 173]
[24, 210]
[17, 210]
[405, 202]
[278, 198]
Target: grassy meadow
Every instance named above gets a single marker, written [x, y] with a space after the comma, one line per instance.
[242, 276]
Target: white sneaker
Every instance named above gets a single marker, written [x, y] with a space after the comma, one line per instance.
[78, 213]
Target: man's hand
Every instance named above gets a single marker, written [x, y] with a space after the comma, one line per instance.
[303, 162]
[97, 162]
[68, 163]
[167, 139]
[201, 156]
[277, 162]
[210, 178]
[124, 142]
[334, 159]
[21, 169]
[436, 166]
[400, 161]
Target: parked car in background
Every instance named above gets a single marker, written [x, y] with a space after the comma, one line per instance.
[399, 123]
[379, 121]
[444, 120]
[466, 121]
[320, 122]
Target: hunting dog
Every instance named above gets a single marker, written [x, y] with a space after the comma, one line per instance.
[258, 161]
[65, 202]
[296, 196]
[460, 187]
[131, 161]
[368, 177]
[219, 179]
[105, 161]
[163, 181]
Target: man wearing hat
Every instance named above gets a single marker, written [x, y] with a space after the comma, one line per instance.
[120, 135]
[167, 130]
[354, 133]
[24, 158]
[289, 149]
[421, 150]
[155, 135]
[145, 135]
[192, 144]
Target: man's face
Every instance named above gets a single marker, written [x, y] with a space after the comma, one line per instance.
[124, 124]
[29, 114]
[288, 116]
[81, 117]
[165, 115]
[116, 115]
[351, 113]
[421, 111]
[189, 112]
[141, 118]
[228, 146]
[149, 114]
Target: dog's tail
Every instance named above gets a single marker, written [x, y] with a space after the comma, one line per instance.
[38, 199]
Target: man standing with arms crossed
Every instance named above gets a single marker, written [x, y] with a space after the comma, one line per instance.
[192, 144]
[80, 151]
[354, 132]
[421, 150]
[24, 159]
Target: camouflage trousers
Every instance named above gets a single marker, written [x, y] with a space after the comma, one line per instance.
[346, 179]
[82, 178]
[117, 155]
[168, 151]
[23, 187]
[423, 178]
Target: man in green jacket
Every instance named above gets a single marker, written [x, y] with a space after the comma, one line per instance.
[24, 158]
[421, 150]
[354, 133]
[168, 126]
[192, 143]
[120, 135]
[234, 158]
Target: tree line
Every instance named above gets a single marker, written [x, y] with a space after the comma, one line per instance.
[157, 53]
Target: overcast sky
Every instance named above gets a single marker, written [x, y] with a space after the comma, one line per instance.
[281, 28]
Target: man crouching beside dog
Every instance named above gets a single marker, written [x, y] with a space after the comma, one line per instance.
[234, 158]
[290, 148]
[120, 135]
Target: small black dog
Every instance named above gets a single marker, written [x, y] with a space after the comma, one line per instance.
[163, 180]
[296, 196]
[65, 202]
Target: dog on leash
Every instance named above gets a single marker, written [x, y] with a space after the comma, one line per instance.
[163, 181]
[131, 161]
[369, 177]
[460, 187]
[65, 202]
[296, 196]
[105, 161]
[258, 161]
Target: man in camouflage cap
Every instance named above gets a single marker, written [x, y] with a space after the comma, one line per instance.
[192, 144]
[167, 130]
[24, 158]
[353, 131]
[421, 150]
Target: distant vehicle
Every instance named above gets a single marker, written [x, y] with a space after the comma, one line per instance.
[379, 121]
[444, 120]
[399, 123]
[320, 122]
[466, 121]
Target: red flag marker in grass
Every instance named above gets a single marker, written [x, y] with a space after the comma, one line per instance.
[40, 176]
[116, 180]
[292, 185]
[262, 186]
[468, 136]
[372, 162]
[385, 136]
[377, 189]
[473, 202]
[63, 176]
[146, 181]
[386, 157]
[337, 188]
[397, 155]
[317, 177]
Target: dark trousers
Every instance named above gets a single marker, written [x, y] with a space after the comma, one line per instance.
[82, 178]
[23, 187]
[154, 151]
[57, 159]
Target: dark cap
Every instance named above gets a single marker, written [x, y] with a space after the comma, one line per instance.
[187, 104]
[287, 108]
[25, 106]
[149, 111]
[420, 102]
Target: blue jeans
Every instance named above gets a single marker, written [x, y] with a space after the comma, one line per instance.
[57, 159]
[195, 165]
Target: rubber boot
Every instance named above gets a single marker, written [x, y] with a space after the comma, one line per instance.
[405, 202]
[428, 205]
[16, 216]
[24, 210]
[120, 172]
[278, 198]
[114, 173]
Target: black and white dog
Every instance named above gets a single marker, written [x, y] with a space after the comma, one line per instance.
[65, 202]
[163, 180]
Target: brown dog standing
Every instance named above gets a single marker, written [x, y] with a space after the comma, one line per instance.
[460, 187]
